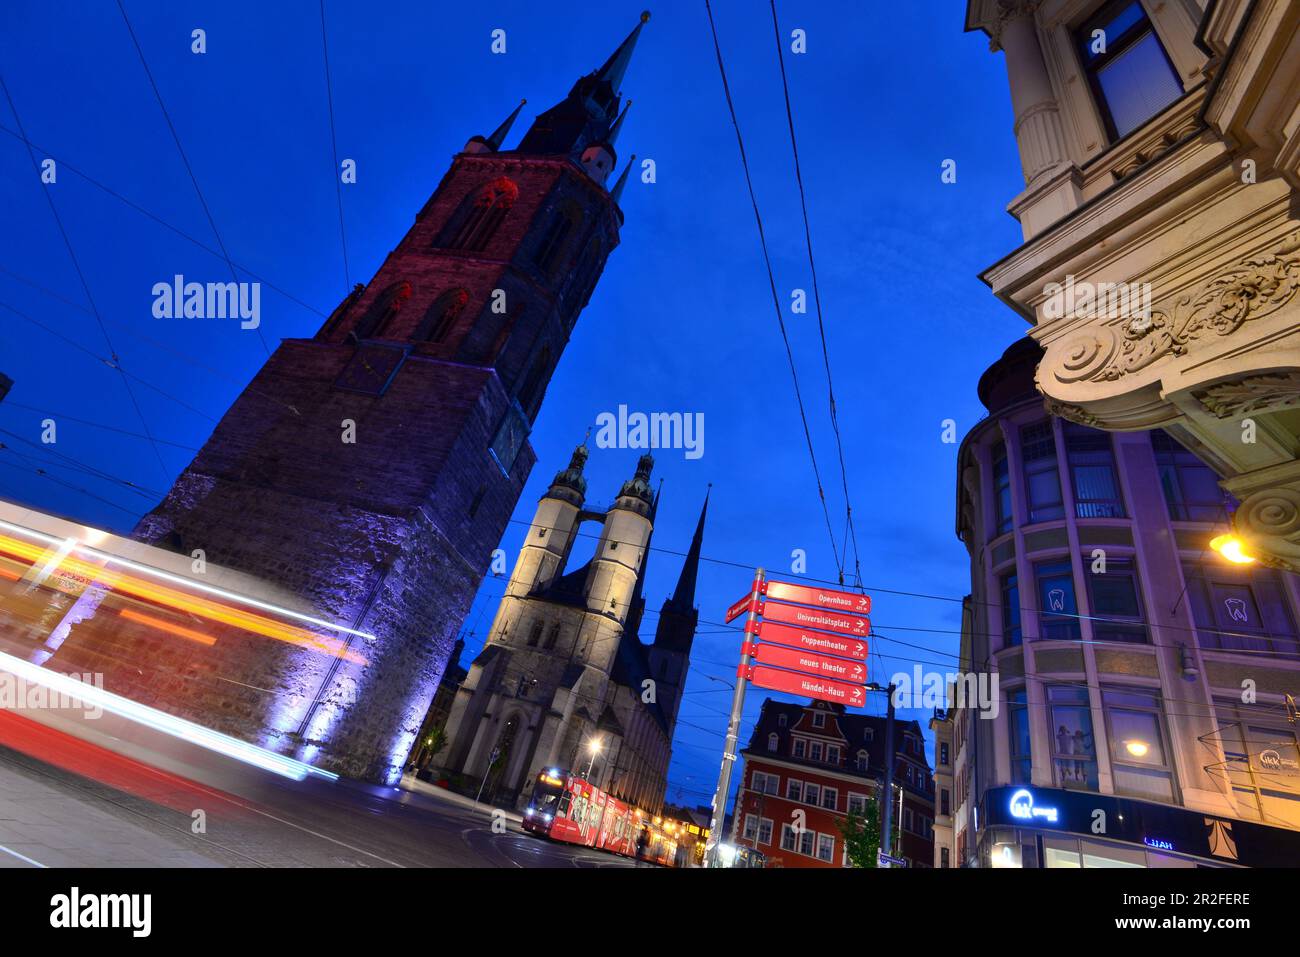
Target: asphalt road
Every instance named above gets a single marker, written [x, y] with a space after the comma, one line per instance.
[53, 817]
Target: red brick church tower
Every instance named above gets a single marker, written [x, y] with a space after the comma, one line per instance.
[439, 366]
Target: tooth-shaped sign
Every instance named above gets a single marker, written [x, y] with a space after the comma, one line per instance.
[1237, 609]
[1056, 599]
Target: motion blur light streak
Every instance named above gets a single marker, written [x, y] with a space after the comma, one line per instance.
[161, 721]
[174, 598]
[188, 582]
[167, 626]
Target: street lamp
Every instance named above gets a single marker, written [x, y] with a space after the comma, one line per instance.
[1233, 548]
[594, 747]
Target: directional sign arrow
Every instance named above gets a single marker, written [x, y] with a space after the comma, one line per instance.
[821, 597]
[816, 641]
[823, 666]
[857, 625]
[791, 682]
[738, 609]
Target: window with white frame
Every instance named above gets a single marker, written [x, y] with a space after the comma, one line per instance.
[830, 797]
[751, 827]
[772, 741]
[825, 847]
[765, 831]
[832, 754]
[789, 840]
[794, 790]
[807, 842]
[857, 804]
[800, 747]
[819, 719]
[862, 761]
[811, 793]
[815, 751]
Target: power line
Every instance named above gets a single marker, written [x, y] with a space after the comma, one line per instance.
[67, 241]
[850, 533]
[776, 300]
[334, 145]
[94, 425]
[65, 166]
[185, 159]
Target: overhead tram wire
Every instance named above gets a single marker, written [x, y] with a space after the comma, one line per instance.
[334, 146]
[185, 159]
[776, 300]
[164, 347]
[111, 364]
[65, 166]
[85, 285]
[851, 534]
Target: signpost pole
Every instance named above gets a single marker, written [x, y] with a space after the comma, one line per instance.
[887, 799]
[733, 723]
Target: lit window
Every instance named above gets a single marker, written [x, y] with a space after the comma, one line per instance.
[1127, 67]
[1139, 762]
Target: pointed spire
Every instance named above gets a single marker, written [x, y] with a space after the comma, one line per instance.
[618, 124]
[616, 194]
[684, 595]
[615, 67]
[499, 135]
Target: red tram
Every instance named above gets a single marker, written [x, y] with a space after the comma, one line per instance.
[567, 808]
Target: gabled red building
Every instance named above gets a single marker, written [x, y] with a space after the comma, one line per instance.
[808, 766]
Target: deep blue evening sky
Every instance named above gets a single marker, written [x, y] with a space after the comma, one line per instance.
[681, 321]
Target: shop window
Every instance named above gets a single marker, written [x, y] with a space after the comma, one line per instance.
[1074, 749]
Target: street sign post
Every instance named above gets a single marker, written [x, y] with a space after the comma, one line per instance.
[791, 682]
[820, 597]
[815, 641]
[857, 625]
[821, 666]
[738, 609]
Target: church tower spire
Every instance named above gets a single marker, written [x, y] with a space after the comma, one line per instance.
[587, 115]
[684, 594]
[490, 144]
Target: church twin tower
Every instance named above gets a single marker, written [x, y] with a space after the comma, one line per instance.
[370, 471]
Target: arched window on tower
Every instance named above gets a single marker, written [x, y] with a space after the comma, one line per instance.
[441, 316]
[480, 216]
[530, 396]
[555, 238]
[383, 310]
[535, 634]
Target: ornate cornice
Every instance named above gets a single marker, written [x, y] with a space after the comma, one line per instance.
[1257, 393]
[1255, 288]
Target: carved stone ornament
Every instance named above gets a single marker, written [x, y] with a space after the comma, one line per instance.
[1270, 521]
[1254, 289]
[1071, 413]
[1258, 393]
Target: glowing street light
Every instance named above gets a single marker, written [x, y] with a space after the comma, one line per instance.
[1232, 548]
[594, 747]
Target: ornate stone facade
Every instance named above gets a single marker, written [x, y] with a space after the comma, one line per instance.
[1194, 203]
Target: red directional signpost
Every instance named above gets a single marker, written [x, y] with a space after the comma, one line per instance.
[841, 646]
[792, 682]
[810, 642]
[841, 669]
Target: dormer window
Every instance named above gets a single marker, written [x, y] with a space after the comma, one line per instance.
[819, 719]
[1130, 74]
[782, 721]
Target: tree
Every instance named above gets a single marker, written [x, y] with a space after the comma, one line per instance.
[862, 836]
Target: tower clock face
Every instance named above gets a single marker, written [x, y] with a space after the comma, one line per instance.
[510, 438]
